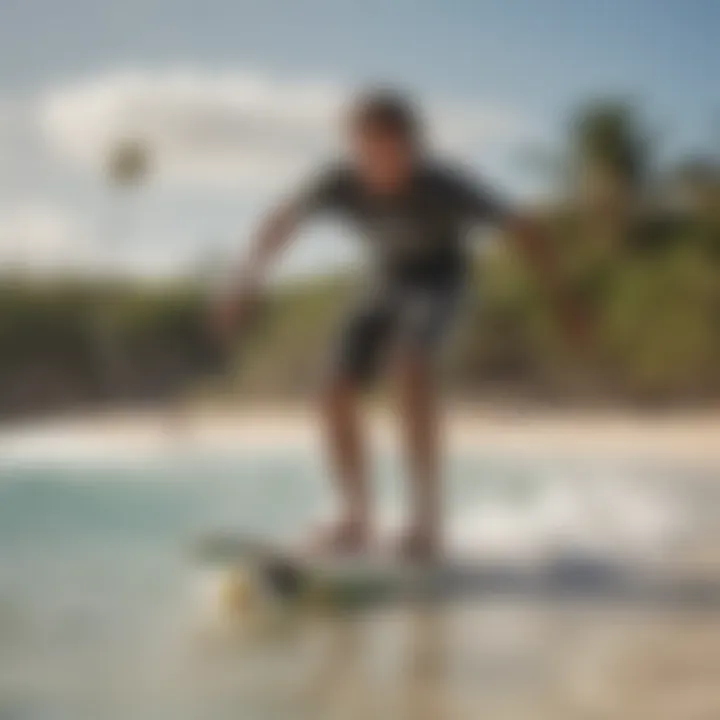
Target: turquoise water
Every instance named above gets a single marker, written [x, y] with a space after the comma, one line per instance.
[98, 611]
[94, 570]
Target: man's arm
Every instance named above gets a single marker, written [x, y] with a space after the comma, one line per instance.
[481, 204]
[531, 243]
[274, 234]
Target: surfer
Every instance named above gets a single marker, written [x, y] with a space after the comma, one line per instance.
[414, 212]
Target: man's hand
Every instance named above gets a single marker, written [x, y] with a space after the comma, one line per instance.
[575, 320]
[231, 313]
[533, 245]
[234, 310]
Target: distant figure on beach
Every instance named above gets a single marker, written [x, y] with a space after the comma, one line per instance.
[414, 212]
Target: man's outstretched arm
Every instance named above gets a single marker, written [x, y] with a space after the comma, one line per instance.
[319, 194]
[481, 204]
[533, 245]
[273, 235]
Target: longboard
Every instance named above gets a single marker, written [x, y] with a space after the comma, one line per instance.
[297, 579]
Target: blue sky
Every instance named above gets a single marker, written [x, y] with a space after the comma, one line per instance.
[525, 63]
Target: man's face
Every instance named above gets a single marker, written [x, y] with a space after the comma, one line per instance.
[383, 158]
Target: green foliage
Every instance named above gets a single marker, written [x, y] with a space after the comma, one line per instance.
[609, 135]
[286, 353]
[660, 323]
[68, 341]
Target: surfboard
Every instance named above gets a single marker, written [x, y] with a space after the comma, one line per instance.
[260, 569]
[300, 578]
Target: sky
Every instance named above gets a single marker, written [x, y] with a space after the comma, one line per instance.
[239, 98]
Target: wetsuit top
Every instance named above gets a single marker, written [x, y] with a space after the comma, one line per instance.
[417, 234]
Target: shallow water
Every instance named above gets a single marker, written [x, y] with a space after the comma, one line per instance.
[102, 614]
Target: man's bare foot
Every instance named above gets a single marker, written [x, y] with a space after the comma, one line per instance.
[343, 537]
[419, 544]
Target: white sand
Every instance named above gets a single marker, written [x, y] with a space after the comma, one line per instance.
[692, 438]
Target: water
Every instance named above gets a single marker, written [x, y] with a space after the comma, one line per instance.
[99, 605]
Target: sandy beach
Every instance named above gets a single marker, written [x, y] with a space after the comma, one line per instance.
[690, 438]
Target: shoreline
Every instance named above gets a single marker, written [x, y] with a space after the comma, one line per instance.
[688, 437]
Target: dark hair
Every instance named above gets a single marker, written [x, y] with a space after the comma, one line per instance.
[389, 111]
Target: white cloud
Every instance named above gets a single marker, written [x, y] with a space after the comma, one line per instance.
[36, 236]
[202, 128]
[236, 129]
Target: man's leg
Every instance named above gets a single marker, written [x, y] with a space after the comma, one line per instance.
[427, 319]
[419, 416]
[347, 457]
[362, 343]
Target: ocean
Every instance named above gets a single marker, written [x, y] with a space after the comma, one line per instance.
[104, 614]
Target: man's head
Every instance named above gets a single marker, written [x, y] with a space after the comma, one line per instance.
[385, 138]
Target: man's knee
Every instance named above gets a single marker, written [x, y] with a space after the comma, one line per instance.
[415, 368]
[339, 393]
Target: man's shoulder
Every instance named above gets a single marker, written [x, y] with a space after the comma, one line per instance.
[446, 174]
[337, 173]
[328, 187]
[462, 187]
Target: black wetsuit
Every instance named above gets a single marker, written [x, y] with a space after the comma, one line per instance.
[420, 261]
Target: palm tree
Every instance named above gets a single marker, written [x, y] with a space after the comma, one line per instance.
[609, 156]
[604, 161]
[128, 162]
[126, 168]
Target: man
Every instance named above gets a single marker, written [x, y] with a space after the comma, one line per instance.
[414, 214]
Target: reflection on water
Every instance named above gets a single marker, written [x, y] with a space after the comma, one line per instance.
[99, 611]
[466, 662]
